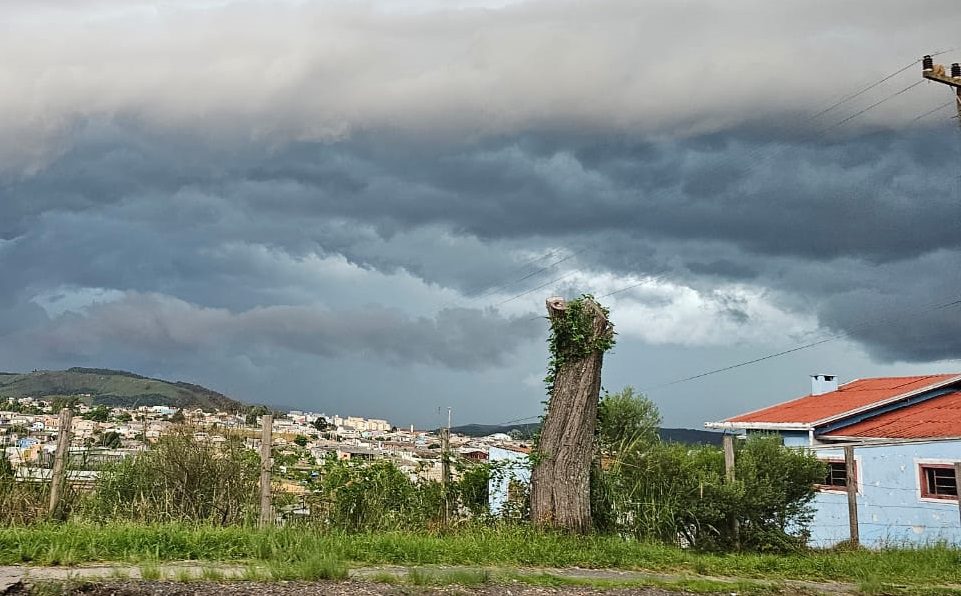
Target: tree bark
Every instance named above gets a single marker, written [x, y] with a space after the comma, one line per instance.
[560, 480]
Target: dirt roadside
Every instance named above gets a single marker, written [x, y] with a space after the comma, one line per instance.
[195, 578]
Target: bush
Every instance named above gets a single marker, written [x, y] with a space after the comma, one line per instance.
[181, 479]
[679, 494]
[376, 495]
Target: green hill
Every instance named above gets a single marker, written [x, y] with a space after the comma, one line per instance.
[114, 388]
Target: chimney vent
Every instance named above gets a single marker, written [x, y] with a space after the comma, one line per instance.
[821, 384]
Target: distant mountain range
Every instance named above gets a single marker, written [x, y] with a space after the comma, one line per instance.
[114, 388]
[674, 435]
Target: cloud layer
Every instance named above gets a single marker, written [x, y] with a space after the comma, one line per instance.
[242, 190]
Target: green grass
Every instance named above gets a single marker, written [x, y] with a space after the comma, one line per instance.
[693, 585]
[150, 570]
[448, 577]
[305, 553]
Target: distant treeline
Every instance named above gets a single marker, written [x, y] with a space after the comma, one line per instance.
[527, 431]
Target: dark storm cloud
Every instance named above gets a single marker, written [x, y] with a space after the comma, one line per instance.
[127, 209]
[221, 182]
[464, 339]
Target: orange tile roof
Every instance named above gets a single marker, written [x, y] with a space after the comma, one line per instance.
[849, 397]
[935, 417]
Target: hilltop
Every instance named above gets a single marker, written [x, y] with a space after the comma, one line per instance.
[525, 431]
[114, 388]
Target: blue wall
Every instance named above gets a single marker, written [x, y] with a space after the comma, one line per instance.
[890, 508]
[515, 465]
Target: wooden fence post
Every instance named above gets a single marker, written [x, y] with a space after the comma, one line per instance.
[728, 442]
[58, 476]
[445, 470]
[266, 438]
[852, 489]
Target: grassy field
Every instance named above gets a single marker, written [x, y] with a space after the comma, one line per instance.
[307, 553]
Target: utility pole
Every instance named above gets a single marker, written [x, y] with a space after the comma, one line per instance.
[936, 72]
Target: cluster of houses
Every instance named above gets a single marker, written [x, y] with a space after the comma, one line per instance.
[28, 440]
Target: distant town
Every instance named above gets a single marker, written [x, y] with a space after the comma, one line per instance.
[29, 427]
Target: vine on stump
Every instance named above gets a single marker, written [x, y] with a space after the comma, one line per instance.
[560, 481]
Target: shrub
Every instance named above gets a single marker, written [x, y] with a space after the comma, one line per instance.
[376, 495]
[181, 479]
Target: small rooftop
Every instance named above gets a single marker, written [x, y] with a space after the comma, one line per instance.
[938, 417]
[847, 399]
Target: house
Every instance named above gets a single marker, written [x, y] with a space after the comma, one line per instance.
[905, 433]
[510, 477]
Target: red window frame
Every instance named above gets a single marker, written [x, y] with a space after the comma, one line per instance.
[835, 487]
[926, 490]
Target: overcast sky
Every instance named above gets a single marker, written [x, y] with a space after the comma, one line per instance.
[360, 207]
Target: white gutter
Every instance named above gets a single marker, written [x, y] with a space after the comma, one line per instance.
[759, 425]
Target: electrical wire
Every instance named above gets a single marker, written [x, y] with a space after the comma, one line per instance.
[843, 334]
[876, 104]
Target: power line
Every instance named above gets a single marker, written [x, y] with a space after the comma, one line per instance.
[544, 285]
[864, 90]
[952, 303]
[929, 112]
[874, 105]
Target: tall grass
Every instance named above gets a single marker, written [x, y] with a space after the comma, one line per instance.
[299, 550]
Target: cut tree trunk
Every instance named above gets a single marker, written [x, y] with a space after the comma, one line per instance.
[560, 480]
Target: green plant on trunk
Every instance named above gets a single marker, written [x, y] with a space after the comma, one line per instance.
[571, 338]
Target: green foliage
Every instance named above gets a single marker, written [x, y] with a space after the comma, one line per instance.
[114, 388]
[300, 440]
[178, 417]
[111, 440]
[679, 494]
[322, 425]
[625, 418]
[255, 412]
[472, 487]
[6, 468]
[65, 401]
[97, 414]
[900, 570]
[572, 337]
[376, 495]
[181, 479]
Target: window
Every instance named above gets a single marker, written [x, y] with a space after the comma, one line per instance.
[837, 475]
[938, 481]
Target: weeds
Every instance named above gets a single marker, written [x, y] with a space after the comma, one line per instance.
[150, 571]
[303, 553]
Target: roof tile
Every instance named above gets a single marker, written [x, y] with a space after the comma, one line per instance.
[848, 397]
[935, 417]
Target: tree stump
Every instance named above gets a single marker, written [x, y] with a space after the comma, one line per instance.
[560, 480]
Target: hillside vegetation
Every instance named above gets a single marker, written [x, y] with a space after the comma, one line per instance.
[114, 388]
[527, 431]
